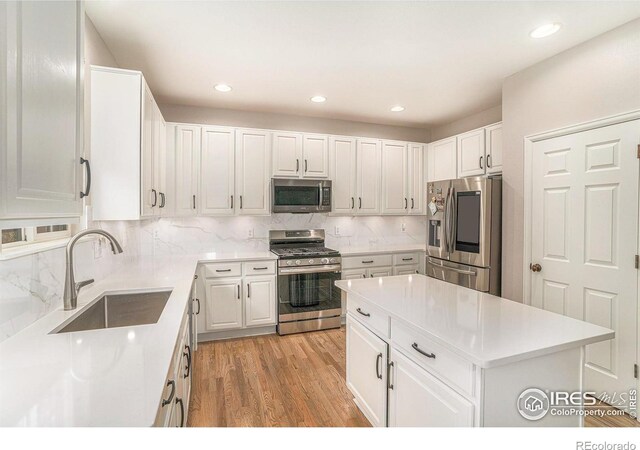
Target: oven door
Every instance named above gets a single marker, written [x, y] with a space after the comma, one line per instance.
[308, 293]
[300, 196]
[469, 218]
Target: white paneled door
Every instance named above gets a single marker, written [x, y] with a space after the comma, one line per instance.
[584, 237]
[217, 171]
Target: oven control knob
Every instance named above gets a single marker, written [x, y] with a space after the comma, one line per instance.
[289, 262]
[298, 262]
[325, 261]
[311, 261]
[332, 260]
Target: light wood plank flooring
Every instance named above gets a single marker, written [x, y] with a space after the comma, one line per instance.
[296, 380]
[268, 381]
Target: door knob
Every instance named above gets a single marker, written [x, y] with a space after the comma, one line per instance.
[535, 267]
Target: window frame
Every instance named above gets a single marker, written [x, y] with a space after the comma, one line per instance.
[32, 236]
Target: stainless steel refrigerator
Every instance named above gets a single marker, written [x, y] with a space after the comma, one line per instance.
[464, 232]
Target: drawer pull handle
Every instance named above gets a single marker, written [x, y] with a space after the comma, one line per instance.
[378, 364]
[198, 302]
[363, 313]
[407, 259]
[223, 270]
[367, 262]
[428, 355]
[260, 268]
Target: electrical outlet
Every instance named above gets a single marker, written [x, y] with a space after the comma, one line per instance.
[403, 227]
[250, 233]
[337, 231]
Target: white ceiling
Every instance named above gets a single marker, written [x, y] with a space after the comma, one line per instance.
[440, 60]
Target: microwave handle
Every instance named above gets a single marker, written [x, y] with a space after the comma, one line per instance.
[320, 196]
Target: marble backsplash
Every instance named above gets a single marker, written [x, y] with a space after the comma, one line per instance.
[31, 286]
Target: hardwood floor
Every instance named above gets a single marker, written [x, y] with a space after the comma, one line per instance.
[287, 381]
[272, 380]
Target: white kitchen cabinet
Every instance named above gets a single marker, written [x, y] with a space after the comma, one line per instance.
[253, 169]
[315, 156]
[367, 371]
[164, 170]
[377, 272]
[223, 304]
[217, 171]
[368, 177]
[186, 142]
[442, 160]
[418, 399]
[297, 155]
[343, 174]
[395, 197]
[354, 274]
[415, 172]
[260, 301]
[406, 270]
[287, 154]
[41, 110]
[128, 147]
[493, 144]
[471, 153]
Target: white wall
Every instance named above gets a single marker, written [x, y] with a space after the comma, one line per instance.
[470, 122]
[273, 121]
[596, 79]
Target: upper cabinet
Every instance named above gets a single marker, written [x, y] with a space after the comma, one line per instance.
[185, 152]
[471, 157]
[297, 155]
[441, 160]
[402, 178]
[493, 146]
[41, 113]
[415, 174]
[253, 162]
[217, 171]
[342, 155]
[368, 176]
[128, 148]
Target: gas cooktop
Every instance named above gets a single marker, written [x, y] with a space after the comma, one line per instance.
[297, 252]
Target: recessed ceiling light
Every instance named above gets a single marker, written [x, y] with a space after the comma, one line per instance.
[545, 30]
[397, 108]
[222, 87]
[318, 99]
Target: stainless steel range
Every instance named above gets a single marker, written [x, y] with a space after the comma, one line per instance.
[308, 299]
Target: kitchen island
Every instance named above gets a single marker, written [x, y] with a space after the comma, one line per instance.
[423, 352]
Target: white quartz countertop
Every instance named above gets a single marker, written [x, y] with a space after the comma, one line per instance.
[484, 329]
[358, 250]
[238, 255]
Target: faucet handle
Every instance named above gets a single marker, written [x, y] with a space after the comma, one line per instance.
[82, 284]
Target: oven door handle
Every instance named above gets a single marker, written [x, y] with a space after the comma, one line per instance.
[309, 269]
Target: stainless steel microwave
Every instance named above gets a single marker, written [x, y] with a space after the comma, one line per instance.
[300, 196]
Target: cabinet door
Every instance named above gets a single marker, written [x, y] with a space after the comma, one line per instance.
[148, 191]
[224, 304]
[471, 157]
[217, 171]
[165, 203]
[260, 301]
[187, 151]
[442, 160]
[406, 270]
[253, 166]
[354, 274]
[368, 177]
[415, 172]
[315, 156]
[41, 108]
[287, 154]
[376, 272]
[366, 372]
[395, 199]
[417, 399]
[343, 174]
[493, 139]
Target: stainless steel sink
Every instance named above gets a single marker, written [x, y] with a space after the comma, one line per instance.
[119, 310]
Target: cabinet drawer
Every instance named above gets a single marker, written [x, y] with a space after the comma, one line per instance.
[260, 268]
[358, 262]
[222, 270]
[402, 259]
[450, 367]
[371, 316]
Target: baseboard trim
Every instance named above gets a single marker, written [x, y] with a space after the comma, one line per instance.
[234, 334]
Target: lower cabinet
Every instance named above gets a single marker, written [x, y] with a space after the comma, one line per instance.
[406, 270]
[223, 304]
[174, 405]
[260, 301]
[417, 399]
[367, 371]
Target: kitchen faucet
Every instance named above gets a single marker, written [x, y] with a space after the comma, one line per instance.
[71, 288]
